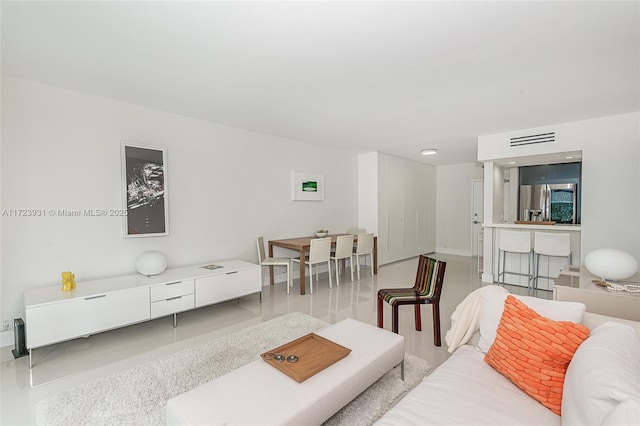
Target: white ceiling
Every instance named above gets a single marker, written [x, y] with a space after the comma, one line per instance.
[394, 77]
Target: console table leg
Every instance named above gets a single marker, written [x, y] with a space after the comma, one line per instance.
[175, 320]
[30, 363]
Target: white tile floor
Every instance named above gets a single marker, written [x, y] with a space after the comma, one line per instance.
[58, 367]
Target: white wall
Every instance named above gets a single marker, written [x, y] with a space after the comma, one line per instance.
[61, 150]
[610, 178]
[610, 174]
[453, 233]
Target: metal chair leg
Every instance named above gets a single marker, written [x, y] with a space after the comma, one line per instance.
[534, 283]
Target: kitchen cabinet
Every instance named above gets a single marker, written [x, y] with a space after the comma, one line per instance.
[405, 208]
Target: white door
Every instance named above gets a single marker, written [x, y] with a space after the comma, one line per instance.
[477, 206]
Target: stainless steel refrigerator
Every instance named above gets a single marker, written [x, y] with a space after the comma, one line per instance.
[554, 202]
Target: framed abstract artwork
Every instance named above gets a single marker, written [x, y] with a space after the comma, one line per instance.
[308, 187]
[144, 176]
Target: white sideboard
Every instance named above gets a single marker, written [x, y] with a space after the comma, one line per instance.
[53, 315]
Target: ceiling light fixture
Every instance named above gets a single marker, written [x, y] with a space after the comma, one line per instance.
[429, 152]
[569, 157]
[512, 162]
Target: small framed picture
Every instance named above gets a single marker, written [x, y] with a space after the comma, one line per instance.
[144, 177]
[308, 187]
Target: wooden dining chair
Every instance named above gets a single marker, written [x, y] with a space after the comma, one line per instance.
[427, 289]
[319, 252]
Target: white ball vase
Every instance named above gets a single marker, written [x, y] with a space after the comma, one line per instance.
[151, 263]
[611, 264]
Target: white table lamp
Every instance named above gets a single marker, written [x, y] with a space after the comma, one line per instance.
[151, 263]
[612, 264]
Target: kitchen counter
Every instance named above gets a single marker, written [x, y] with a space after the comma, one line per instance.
[557, 227]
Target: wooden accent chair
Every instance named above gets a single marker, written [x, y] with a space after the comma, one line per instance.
[426, 290]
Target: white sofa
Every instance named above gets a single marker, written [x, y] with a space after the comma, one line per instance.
[602, 383]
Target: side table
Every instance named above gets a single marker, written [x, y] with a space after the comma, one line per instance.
[575, 284]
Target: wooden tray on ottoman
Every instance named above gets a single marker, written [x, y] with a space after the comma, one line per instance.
[315, 353]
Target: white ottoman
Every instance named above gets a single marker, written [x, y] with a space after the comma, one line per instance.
[259, 394]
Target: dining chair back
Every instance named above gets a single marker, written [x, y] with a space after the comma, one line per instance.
[344, 249]
[364, 247]
[263, 260]
[426, 290]
[319, 252]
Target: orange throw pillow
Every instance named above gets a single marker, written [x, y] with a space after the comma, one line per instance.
[534, 351]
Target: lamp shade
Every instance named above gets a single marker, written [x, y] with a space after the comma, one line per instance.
[151, 263]
[611, 264]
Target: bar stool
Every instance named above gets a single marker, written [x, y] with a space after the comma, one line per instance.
[514, 242]
[549, 244]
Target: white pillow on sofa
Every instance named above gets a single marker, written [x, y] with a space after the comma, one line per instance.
[492, 304]
[603, 374]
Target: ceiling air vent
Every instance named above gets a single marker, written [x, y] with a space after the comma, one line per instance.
[533, 139]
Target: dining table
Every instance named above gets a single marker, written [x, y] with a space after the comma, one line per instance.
[302, 246]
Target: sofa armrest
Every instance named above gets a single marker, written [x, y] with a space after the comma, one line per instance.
[592, 320]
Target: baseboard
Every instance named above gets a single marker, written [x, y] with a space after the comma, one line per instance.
[455, 252]
[6, 338]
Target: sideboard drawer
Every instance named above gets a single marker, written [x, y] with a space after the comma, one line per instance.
[172, 305]
[173, 289]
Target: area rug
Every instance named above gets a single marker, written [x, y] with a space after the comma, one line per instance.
[138, 396]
